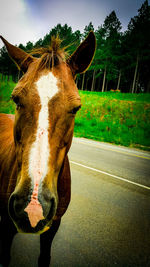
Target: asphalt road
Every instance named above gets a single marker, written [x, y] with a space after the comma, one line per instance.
[108, 220]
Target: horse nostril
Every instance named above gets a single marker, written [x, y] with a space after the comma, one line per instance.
[48, 201]
[52, 209]
[46, 195]
[16, 205]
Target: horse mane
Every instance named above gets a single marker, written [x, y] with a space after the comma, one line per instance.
[51, 55]
[47, 58]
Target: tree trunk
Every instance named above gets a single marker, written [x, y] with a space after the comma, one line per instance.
[93, 81]
[83, 78]
[104, 78]
[137, 81]
[119, 78]
[86, 85]
[135, 74]
[106, 88]
[99, 80]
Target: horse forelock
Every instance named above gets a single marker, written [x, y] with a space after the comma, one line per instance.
[46, 59]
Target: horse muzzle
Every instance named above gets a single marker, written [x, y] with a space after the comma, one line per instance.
[32, 215]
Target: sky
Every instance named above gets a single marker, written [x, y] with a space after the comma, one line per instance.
[29, 20]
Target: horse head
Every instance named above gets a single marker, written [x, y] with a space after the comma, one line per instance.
[47, 100]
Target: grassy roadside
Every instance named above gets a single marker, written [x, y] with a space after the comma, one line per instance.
[6, 104]
[117, 118]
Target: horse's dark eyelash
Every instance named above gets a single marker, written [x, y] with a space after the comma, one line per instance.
[74, 110]
[16, 100]
[18, 106]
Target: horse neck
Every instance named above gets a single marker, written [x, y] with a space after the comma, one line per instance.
[8, 164]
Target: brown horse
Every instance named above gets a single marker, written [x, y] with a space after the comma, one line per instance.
[34, 168]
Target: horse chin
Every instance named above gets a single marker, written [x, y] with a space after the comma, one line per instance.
[28, 229]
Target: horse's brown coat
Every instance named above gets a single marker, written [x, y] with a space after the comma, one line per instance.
[17, 134]
[8, 162]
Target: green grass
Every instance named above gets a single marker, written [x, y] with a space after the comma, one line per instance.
[143, 97]
[6, 104]
[117, 118]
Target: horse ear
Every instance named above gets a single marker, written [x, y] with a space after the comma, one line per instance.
[81, 59]
[21, 58]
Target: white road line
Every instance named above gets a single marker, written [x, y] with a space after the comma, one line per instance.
[110, 149]
[101, 146]
[112, 175]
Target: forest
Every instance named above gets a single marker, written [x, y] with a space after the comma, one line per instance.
[122, 59]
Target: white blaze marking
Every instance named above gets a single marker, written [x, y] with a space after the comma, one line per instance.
[40, 150]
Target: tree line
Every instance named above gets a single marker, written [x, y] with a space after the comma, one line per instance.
[122, 59]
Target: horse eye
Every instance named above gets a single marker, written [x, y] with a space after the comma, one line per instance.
[17, 102]
[15, 99]
[74, 110]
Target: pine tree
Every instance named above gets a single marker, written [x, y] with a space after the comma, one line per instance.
[109, 52]
[138, 40]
